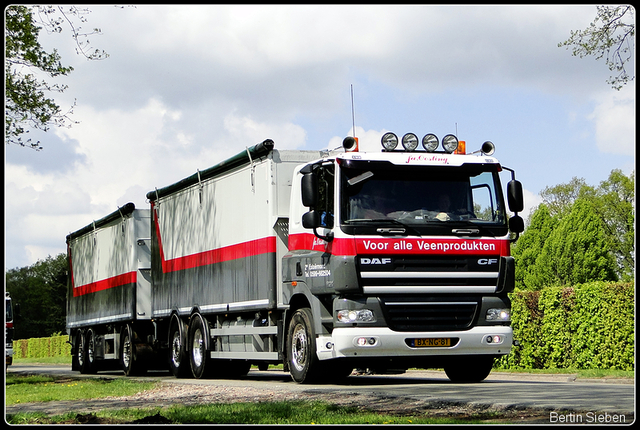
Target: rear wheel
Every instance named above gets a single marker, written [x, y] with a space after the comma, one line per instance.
[178, 357]
[301, 347]
[201, 364]
[128, 357]
[86, 353]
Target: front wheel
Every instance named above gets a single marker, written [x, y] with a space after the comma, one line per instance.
[469, 369]
[301, 347]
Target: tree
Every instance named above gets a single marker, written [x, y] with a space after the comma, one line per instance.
[529, 247]
[26, 102]
[559, 198]
[577, 250]
[41, 291]
[579, 234]
[615, 206]
[610, 35]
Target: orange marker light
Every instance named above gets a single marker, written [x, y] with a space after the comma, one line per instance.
[462, 147]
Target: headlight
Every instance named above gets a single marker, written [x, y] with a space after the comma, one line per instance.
[498, 315]
[450, 143]
[389, 141]
[410, 141]
[430, 142]
[351, 316]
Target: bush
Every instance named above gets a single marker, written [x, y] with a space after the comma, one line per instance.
[42, 347]
[589, 326]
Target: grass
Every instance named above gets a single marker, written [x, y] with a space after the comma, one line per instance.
[296, 412]
[36, 388]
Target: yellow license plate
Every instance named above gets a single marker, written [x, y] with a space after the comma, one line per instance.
[431, 342]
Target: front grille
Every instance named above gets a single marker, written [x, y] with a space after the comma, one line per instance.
[422, 274]
[424, 314]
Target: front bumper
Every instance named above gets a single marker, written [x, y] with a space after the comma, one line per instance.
[385, 343]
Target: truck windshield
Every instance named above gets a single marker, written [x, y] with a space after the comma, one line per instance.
[425, 199]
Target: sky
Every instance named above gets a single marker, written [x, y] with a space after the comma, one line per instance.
[186, 87]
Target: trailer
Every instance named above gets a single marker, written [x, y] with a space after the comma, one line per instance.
[323, 261]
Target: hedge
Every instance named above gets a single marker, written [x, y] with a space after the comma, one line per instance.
[40, 347]
[588, 326]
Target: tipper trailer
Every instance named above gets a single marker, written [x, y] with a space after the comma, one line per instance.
[324, 261]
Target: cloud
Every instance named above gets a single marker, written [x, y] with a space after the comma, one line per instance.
[614, 118]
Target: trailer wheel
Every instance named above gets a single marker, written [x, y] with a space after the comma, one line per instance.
[301, 347]
[86, 352]
[201, 365]
[468, 370]
[128, 361]
[79, 358]
[178, 358]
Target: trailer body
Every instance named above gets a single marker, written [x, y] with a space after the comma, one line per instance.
[109, 284]
[323, 261]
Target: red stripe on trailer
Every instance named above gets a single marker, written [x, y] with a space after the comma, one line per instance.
[251, 248]
[233, 252]
[105, 284]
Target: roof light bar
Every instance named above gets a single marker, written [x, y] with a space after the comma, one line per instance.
[410, 141]
[389, 141]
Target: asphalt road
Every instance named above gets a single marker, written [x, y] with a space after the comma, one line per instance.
[598, 398]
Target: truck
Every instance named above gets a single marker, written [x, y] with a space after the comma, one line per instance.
[322, 261]
[8, 330]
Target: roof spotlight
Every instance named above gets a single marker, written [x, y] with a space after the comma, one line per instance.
[450, 143]
[410, 141]
[389, 141]
[430, 142]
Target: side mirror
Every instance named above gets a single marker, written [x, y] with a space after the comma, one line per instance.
[309, 190]
[516, 224]
[311, 219]
[515, 196]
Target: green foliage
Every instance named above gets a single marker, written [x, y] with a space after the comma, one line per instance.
[577, 251]
[579, 234]
[25, 100]
[42, 347]
[588, 326]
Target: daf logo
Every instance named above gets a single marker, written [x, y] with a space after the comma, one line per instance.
[487, 261]
[375, 261]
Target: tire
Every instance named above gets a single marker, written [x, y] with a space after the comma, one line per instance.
[469, 370]
[79, 356]
[86, 353]
[128, 357]
[178, 357]
[198, 346]
[303, 362]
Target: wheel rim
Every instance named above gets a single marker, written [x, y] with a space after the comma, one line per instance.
[176, 348]
[126, 352]
[299, 347]
[198, 348]
[80, 351]
[90, 348]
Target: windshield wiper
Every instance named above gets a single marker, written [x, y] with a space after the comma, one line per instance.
[404, 228]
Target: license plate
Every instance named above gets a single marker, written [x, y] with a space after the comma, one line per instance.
[431, 342]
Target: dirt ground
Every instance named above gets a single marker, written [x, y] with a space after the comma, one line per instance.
[172, 394]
